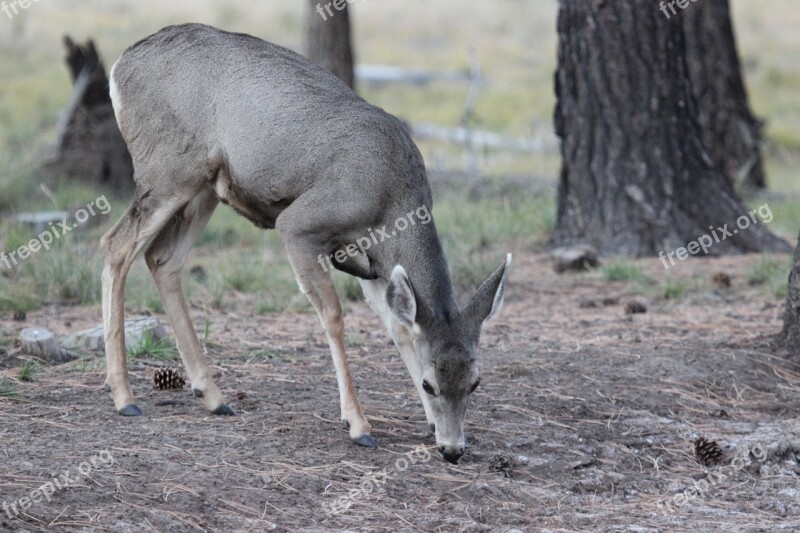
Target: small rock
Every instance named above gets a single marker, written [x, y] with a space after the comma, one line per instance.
[575, 258]
[635, 307]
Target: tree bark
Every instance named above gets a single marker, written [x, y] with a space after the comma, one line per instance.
[328, 41]
[636, 179]
[90, 146]
[790, 335]
[730, 130]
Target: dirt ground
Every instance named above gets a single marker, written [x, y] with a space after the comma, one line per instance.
[584, 421]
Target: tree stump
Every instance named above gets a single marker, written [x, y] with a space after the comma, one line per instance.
[90, 146]
[41, 343]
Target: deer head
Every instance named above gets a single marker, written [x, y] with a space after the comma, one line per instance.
[446, 345]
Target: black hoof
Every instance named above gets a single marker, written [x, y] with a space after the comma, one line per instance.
[223, 410]
[130, 410]
[367, 441]
[106, 388]
[197, 393]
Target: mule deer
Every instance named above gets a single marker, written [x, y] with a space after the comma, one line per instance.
[211, 116]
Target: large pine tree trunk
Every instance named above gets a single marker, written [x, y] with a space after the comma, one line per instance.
[328, 40]
[636, 178]
[790, 336]
[730, 130]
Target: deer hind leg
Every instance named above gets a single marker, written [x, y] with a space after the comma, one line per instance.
[165, 258]
[375, 293]
[141, 222]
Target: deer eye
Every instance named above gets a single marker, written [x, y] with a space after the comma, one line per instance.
[474, 386]
[427, 387]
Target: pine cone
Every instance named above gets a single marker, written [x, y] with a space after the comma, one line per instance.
[168, 379]
[721, 280]
[502, 464]
[707, 452]
[635, 307]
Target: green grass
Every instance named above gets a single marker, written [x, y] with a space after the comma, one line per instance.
[64, 274]
[67, 271]
[477, 233]
[770, 274]
[88, 365]
[5, 342]
[27, 371]
[352, 340]
[673, 289]
[267, 354]
[7, 390]
[348, 287]
[16, 296]
[623, 272]
[163, 349]
[765, 270]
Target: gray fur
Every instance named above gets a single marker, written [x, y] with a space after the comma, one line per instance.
[214, 115]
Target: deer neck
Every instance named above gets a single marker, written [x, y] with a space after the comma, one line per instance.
[420, 252]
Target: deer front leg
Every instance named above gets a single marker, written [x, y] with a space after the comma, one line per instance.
[375, 293]
[317, 285]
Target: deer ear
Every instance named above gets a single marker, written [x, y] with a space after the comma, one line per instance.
[400, 297]
[488, 301]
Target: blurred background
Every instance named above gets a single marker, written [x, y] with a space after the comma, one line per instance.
[475, 83]
[605, 393]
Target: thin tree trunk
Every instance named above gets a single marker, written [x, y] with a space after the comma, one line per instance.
[636, 179]
[328, 41]
[730, 131]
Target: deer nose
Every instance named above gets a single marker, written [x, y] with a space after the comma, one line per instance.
[451, 454]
